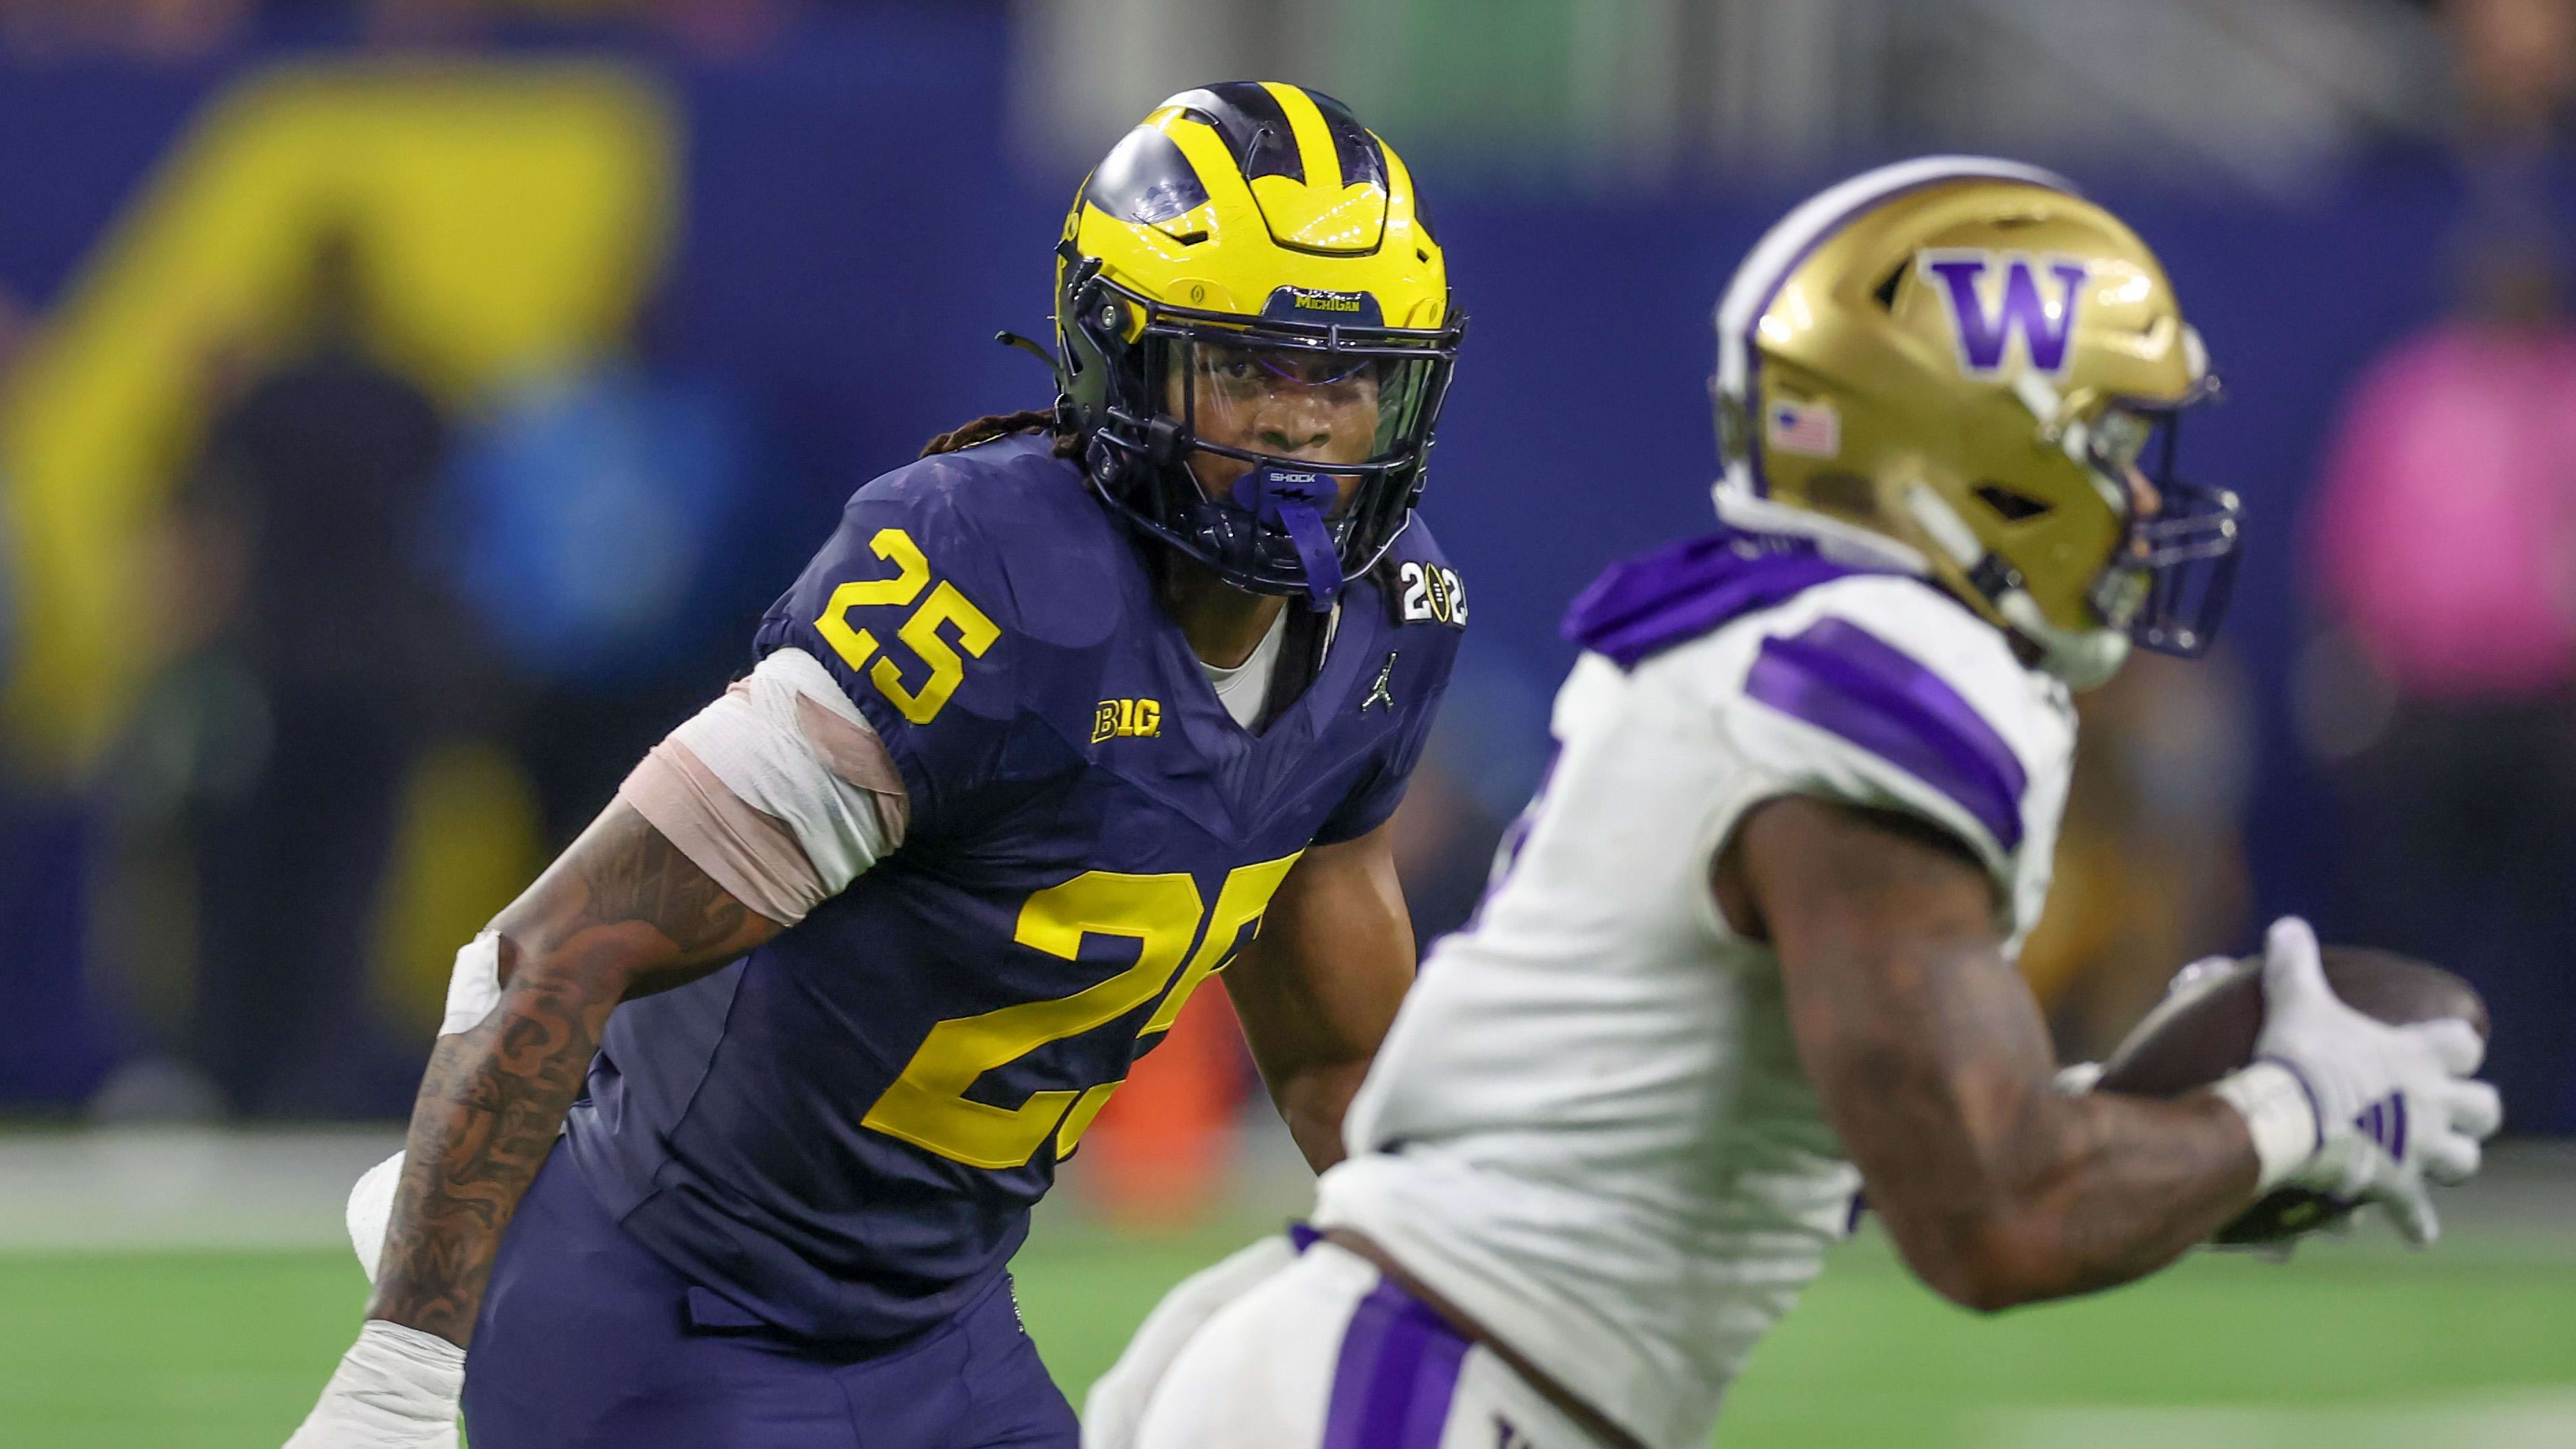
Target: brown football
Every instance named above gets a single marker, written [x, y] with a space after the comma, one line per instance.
[2206, 1029]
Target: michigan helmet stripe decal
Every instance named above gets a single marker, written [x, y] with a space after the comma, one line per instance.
[1257, 133]
[1796, 236]
[1315, 152]
[1273, 129]
[1322, 159]
[1848, 682]
[1355, 147]
[1204, 145]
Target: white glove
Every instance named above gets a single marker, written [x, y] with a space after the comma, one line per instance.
[2352, 1107]
[397, 1388]
[371, 1211]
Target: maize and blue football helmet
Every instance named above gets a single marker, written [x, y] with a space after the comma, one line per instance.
[1249, 246]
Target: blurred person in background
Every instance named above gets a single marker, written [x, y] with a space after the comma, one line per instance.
[598, 540]
[2442, 553]
[316, 688]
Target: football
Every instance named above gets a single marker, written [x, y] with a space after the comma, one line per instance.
[2206, 1028]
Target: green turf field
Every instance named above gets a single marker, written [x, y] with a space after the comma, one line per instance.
[2360, 1347]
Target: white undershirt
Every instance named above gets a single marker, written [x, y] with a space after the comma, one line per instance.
[1245, 688]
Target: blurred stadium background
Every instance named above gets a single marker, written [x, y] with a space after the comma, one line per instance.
[407, 406]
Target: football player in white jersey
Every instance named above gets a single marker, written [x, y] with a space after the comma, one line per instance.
[1753, 944]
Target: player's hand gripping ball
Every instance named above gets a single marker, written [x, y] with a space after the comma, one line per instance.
[2209, 1026]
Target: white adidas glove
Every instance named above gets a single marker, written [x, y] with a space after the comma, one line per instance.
[2352, 1107]
[397, 1388]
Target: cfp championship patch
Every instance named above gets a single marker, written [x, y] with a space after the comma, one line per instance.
[1431, 595]
[1140, 719]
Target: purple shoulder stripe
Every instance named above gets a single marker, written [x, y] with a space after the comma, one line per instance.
[1675, 594]
[1395, 1377]
[1847, 681]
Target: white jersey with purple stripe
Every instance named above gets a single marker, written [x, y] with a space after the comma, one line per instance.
[1589, 1127]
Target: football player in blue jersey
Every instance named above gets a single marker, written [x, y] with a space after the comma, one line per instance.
[1076, 711]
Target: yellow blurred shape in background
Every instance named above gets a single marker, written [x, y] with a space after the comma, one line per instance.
[510, 216]
[468, 841]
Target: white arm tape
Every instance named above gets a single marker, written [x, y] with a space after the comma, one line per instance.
[396, 1388]
[475, 988]
[754, 739]
[2280, 1116]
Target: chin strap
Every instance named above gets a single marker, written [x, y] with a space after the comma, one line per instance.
[1295, 501]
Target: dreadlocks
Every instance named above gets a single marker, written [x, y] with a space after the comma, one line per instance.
[1001, 425]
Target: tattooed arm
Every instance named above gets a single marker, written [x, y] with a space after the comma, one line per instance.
[620, 914]
[1928, 1053]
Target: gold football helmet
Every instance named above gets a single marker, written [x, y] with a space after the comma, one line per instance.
[1961, 366]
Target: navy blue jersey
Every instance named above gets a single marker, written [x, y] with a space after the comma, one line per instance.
[844, 1131]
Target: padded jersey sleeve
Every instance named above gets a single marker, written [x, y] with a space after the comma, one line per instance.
[1424, 605]
[1880, 693]
[909, 608]
[1373, 800]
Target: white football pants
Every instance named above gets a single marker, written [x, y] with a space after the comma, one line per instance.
[1272, 1349]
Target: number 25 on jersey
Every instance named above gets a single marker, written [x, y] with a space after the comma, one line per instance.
[920, 632]
[1164, 915]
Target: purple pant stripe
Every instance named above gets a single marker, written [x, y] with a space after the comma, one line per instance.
[1435, 1384]
[1362, 1343]
[1395, 1376]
